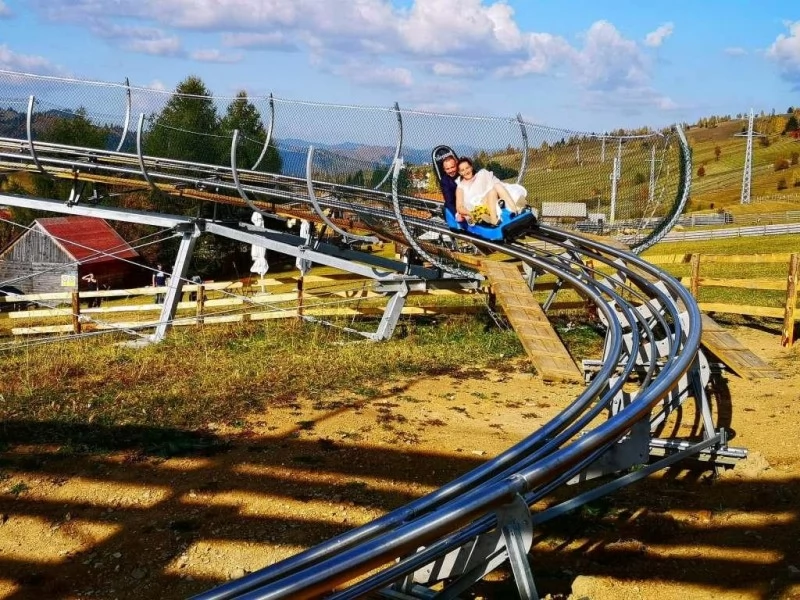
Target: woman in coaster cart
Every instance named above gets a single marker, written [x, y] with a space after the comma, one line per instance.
[478, 195]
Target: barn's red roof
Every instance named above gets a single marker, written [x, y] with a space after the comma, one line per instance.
[87, 239]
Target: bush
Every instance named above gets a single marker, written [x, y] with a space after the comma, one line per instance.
[781, 164]
[782, 185]
[500, 171]
[701, 171]
[795, 156]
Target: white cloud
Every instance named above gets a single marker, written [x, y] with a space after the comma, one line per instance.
[5, 12]
[654, 39]
[215, 56]
[374, 75]
[437, 27]
[448, 69]
[339, 17]
[145, 40]
[161, 46]
[545, 52]
[157, 84]
[785, 51]
[26, 63]
[735, 51]
[631, 100]
[445, 108]
[275, 40]
[608, 61]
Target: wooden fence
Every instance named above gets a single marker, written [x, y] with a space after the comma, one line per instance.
[235, 296]
[247, 300]
[695, 281]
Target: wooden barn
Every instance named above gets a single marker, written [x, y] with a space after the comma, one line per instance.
[56, 253]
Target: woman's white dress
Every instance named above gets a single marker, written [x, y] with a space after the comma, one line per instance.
[475, 189]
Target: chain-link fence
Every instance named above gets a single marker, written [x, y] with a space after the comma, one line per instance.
[595, 182]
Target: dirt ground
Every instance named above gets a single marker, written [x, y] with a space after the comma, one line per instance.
[133, 525]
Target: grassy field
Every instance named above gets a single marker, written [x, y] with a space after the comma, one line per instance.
[228, 371]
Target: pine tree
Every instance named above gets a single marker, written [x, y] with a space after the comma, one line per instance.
[244, 116]
[188, 126]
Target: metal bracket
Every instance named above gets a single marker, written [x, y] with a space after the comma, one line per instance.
[511, 539]
[31, 148]
[524, 161]
[399, 147]
[268, 138]
[140, 155]
[235, 174]
[127, 122]
[317, 209]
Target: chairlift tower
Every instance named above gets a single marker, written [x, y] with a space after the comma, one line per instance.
[747, 174]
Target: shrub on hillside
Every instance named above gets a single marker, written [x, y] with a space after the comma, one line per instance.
[782, 185]
[781, 164]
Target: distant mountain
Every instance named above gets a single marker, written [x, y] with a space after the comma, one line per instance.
[294, 151]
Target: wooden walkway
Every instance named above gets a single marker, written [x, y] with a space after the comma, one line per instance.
[540, 341]
[735, 355]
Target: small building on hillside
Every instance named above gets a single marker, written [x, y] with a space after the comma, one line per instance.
[563, 212]
[54, 254]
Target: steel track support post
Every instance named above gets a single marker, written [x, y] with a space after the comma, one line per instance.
[391, 315]
[698, 385]
[518, 557]
[179, 270]
[551, 298]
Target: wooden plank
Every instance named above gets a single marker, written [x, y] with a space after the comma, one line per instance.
[741, 309]
[541, 343]
[733, 353]
[753, 284]
[142, 291]
[667, 259]
[747, 258]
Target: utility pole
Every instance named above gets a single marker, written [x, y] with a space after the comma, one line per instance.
[747, 174]
[615, 173]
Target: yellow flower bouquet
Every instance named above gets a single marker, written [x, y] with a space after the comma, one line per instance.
[479, 214]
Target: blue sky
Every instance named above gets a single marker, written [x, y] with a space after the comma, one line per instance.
[584, 65]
